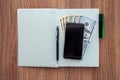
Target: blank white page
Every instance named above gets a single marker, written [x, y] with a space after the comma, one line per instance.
[37, 37]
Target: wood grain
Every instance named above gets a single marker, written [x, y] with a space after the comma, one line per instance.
[109, 46]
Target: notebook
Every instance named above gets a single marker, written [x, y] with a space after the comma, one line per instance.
[37, 31]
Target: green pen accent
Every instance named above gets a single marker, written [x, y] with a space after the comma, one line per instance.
[101, 26]
[103, 31]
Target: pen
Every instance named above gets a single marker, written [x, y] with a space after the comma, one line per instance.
[57, 43]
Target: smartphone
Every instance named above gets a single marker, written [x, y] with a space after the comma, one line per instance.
[73, 40]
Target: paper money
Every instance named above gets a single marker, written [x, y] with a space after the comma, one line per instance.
[89, 23]
[63, 21]
[61, 25]
[71, 19]
[76, 19]
[88, 27]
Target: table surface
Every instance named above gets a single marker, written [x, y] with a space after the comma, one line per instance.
[109, 46]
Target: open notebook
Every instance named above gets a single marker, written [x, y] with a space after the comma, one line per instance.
[37, 38]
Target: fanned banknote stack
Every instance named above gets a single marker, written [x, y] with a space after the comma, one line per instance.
[88, 27]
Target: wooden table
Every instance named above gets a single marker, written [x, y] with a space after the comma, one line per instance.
[109, 46]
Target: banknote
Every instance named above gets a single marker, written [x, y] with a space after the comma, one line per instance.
[71, 18]
[88, 26]
[63, 21]
[88, 23]
[76, 19]
[61, 24]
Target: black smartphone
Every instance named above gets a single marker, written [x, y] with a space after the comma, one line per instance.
[73, 40]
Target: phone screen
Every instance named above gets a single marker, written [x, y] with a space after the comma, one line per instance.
[73, 40]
